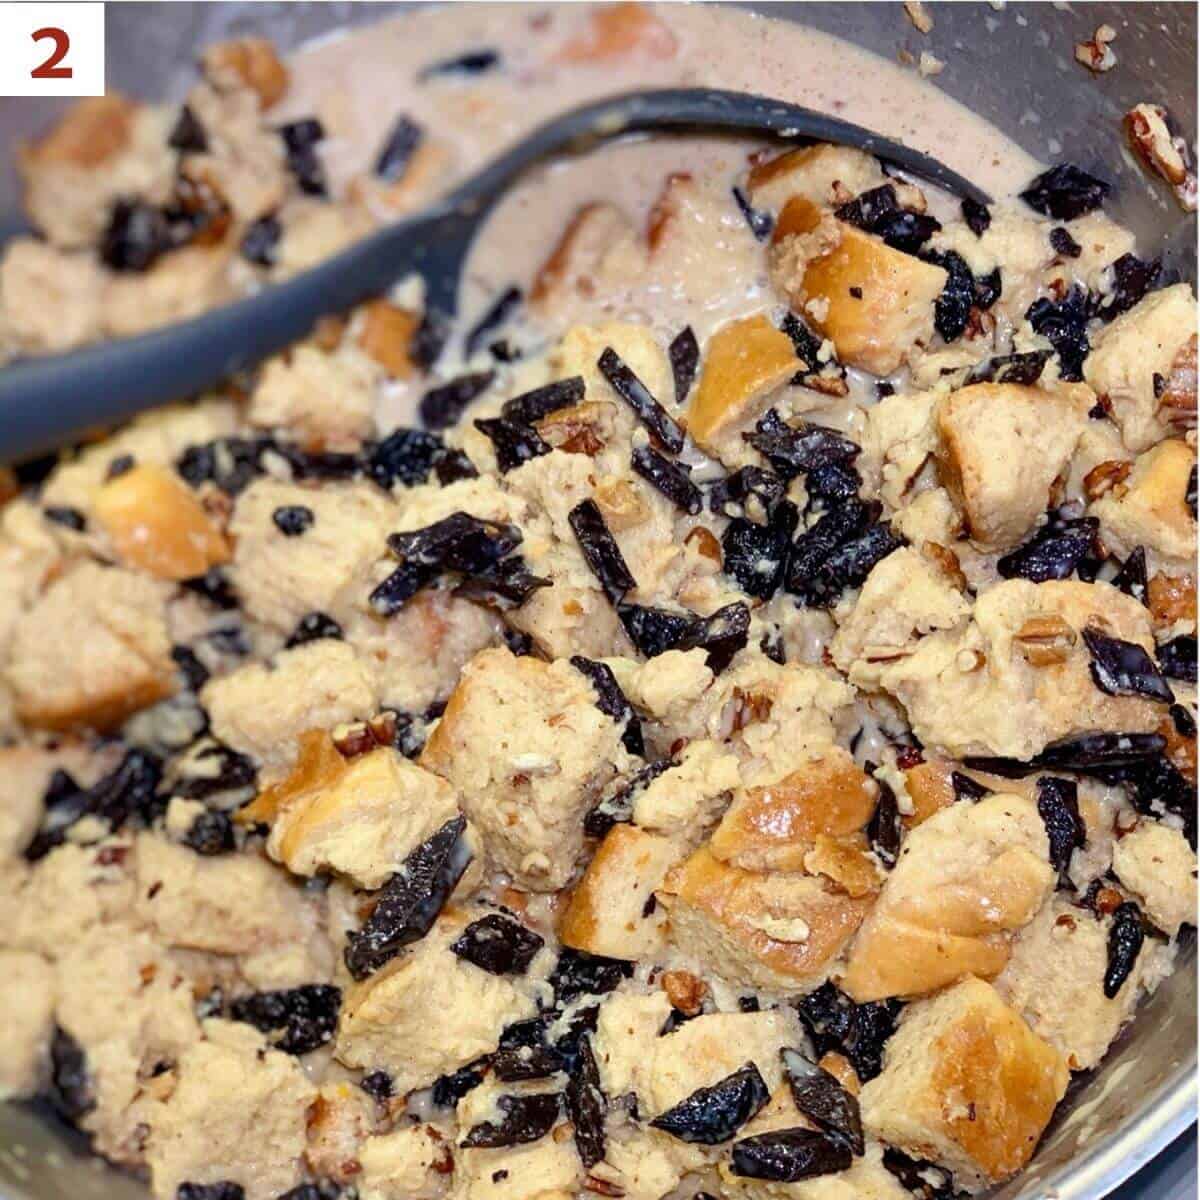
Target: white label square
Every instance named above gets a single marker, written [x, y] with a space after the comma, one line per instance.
[51, 49]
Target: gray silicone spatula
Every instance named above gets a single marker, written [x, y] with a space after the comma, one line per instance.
[44, 402]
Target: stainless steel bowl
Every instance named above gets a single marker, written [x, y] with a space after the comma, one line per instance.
[1012, 66]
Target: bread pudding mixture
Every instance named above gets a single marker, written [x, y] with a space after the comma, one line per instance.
[717, 720]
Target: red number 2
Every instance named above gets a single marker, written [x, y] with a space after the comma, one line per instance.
[50, 68]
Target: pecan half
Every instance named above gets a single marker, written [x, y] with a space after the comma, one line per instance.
[1045, 640]
[1162, 151]
[1102, 478]
[1097, 54]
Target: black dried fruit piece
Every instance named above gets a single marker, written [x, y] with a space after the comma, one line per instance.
[757, 555]
[966, 788]
[230, 463]
[1063, 323]
[442, 406]
[925, 1180]
[514, 1064]
[406, 456]
[977, 216]
[1177, 658]
[580, 974]
[531, 407]
[260, 242]
[61, 789]
[303, 1018]
[300, 140]
[732, 496]
[70, 1090]
[788, 1155]
[448, 1090]
[523, 1119]
[136, 237]
[497, 313]
[655, 630]
[723, 634]
[1122, 668]
[195, 673]
[498, 944]
[613, 702]
[293, 519]
[69, 518]
[804, 341]
[1132, 278]
[459, 542]
[1024, 368]
[1155, 787]
[325, 464]
[823, 1100]
[411, 899]
[301, 133]
[1131, 578]
[211, 833]
[760, 222]
[1125, 939]
[398, 148]
[473, 62]
[885, 829]
[187, 134]
[1065, 192]
[832, 483]
[1086, 753]
[793, 449]
[684, 353]
[672, 479]
[848, 566]
[312, 627]
[505, 586]
[711, 1115]
[223, 1189]
[586, 1105]
[877, 211]
[600, 550]
[1190, 494]
[634, 392]
[514, 444]
[1063, 244]
[988, 289]
[323, 1189]
[222, 769]
[1054, 552]
[1185, 723]
[378, 1085]
[454, 465]
[859, 1031]
[1058, 806]
[616, 804]
[952, 309]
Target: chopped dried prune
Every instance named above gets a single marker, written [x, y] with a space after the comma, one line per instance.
[586, 1104]
[406, 456]
[326, 464]
[442, 406]
[498, 944]
[1185, 723]
[1132, 278]
[1190, 495]
[684, 353]
[847, 566]
[473, 62]
[506, 585]
[293, 519]
[454, 465]
[312, 627]
[298, 1019]
[1024, 368]
[514, 444]
[223, 1189]
[731, 496]
[187, 134]
[69, 518]
[673, 479]
[260, 242]
[655, 630]
[378, 1085]
[613, 702]
[1058, 806]
[635, 393]
[306, 131]
[1177, 658]
[806, 343]
[459, 542]
[711, 1115]
[788, 1155]
[1065, 192]
[877, 211]
[1131, 578]
[448, 1090]
[398, 148]
[792, 449]
[988, 289]
[977, 216]
[71, 1091]
[300, 139]
[1063, 323]
[924, 1180]
[231, 463]
[760, 222]
[580, 974]
[600, 550]
[493, 318]
[1125, 939]
[195, 673]
[136, 236]
[859, 1031]
[411, 899]
[1122, 668]
[952, 309]
[757, 555]
[1054, 552]
[885, 828]
[823, 1100]
[523, 1119]
[966, 788]
[1087, 752]
[1063, 244]
[616, 804]
[211, 833]
[1155, 787]
[526, 1060]
[215, 768]
[832, 483]
[530, 407]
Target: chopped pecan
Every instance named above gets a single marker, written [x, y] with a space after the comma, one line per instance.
[685, 991]
[1172, 598]
[1045, 640]
[1102, 478]
[706, 544]
[946, 561]
[1177, 396]
[1148, 127]
[1097, 55]
[579, 429]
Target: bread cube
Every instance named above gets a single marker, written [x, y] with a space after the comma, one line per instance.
[548, 1169]
[157, 524]
[823, 174]
[29, 991]
[386, 335]
[1131, 351]
[1001, 447]
[627, 1031]
[744, 363]
[1156, 863]
[50, 299]
[428, 1012]
[874, 303]
[237, 1113]
[413, 1162]
[528, 750]
[965, 879]
[965, 1084]
[782, 931]
[686, 800]
[92, 650]
[339, 1122]
[611, 910]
